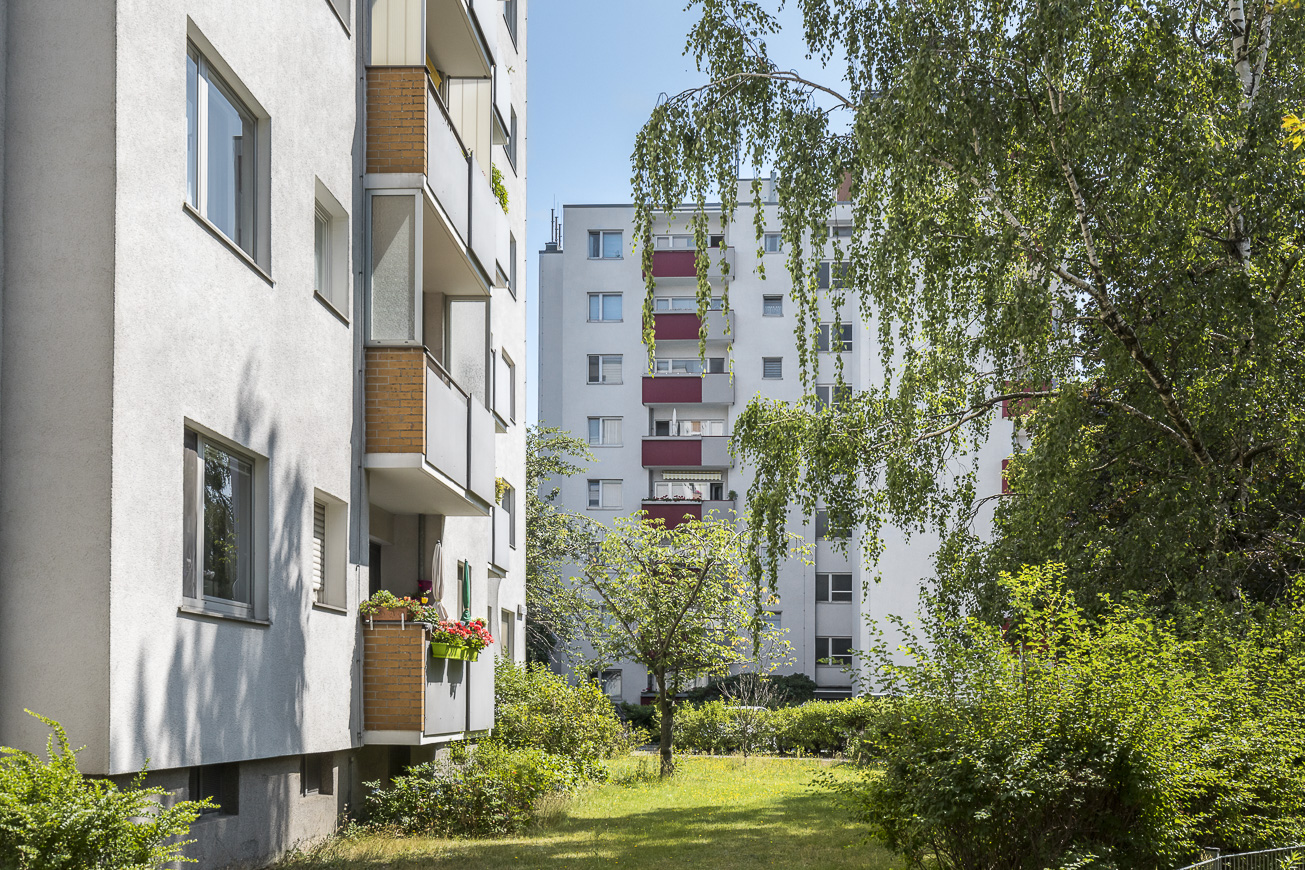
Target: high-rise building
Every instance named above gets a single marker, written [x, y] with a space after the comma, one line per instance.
[660, 433]
[262, 326]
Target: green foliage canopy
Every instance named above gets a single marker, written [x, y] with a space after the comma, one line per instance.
[1085, 206]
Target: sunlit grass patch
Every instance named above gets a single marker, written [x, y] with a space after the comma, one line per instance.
[717, 812]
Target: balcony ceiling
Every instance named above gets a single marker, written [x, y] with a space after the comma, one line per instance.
[446, 262]
[454, 41]
[405, 483]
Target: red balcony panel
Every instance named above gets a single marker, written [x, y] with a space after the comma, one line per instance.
[676, 326]
[672, 451]
[672, 512]
[674, 264]
[669, 389]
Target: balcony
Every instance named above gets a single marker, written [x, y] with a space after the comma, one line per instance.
[715, 389]
[430, 445]
[710, 451]
[459, 35]
[672, 513]
[676, 326]
[411, 699]
[461, 229]
[681, 264]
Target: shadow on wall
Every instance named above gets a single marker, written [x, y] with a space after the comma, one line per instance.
[232, 691]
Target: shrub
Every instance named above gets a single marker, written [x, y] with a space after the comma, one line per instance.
[1116, 743]
[53, 818]
[538, 709]
[814, 728]
[642, 719]
[491, 791]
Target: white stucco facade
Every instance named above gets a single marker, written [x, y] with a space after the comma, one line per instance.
[761, 330]
[129, 322]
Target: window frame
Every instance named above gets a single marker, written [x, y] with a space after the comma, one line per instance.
[832, 395]
[827, 594]
[218, 781]
[766, 240]
[511, 20]
[825, 532]
[333, 595]
[194, 597]
[826, 657]
[512, 264]
[767, 300]
[210, 70]
[510, 146]
[602, 364]
[602, 486]
[337, 295]
[824, 337]
[602, 429]
[601, 236]
[602, 296]
[717, 304]
[769, 360]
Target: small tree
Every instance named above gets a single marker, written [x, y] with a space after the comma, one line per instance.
[554, 538]
[679, 601]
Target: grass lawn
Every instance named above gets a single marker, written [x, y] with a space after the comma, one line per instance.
[717, 813]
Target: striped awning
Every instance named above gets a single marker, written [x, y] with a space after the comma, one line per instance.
[691, 475]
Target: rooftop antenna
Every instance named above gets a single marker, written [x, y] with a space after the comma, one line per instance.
[554, 231]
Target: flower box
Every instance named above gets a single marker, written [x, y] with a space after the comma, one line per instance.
[391, 614]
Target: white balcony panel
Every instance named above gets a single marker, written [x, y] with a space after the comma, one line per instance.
[453, 39]
[484, 225]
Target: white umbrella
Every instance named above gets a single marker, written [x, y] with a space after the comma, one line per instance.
[437, 580]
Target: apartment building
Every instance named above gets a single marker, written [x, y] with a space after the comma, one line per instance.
[660, 433]
[260, 326]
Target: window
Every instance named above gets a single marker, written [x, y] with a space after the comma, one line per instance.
[833, 650]
[604, 307]
[510, 16]
[772, 367]
[685, 303]
[772, 243]
[512, 387]
[832, 395]
[772, 618]
[610, 680]
[840, 231]
[511, 146]
[604, 494]
[772, 306]
[512, 265]
[219, 782]
[692, 366]
[605, 431]
[218, 516]
[839, 275]
[684, 242]
[604, 369]
[221, 147]
[684, 428]
[318, 571]
[317, 774]
[834, 587]
[507, 633]
[605, 244]
[331, 251]
[509, 505]
[834, 336]
[690, 490]
[825, 530]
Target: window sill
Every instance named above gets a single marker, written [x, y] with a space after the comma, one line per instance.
[330, 306]
[231, 246]
[606, 258]
[330, 608]
[604, 321]
[605, 383]
[192, 610]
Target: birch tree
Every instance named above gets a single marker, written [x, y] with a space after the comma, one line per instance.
[1090, 208]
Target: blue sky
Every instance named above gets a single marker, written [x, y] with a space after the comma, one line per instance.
[596, 69]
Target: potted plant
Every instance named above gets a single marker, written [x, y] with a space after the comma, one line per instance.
[386, 606]
[446, 640]
[476, 637]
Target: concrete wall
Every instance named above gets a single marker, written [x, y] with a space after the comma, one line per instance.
[58, 367]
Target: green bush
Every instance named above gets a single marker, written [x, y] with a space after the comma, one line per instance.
[538, 709]
[489, 792]
[642, 719]
[1061, 742]
[53, 818]
[814, 728]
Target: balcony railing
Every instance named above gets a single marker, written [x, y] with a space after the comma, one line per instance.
[676, 326]
[712, 389]
[430, 445]
[412, 699]
[672, 513]
[502, 534]
[682, 264]
[710, 451]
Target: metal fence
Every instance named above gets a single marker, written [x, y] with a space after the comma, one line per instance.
[1285, 858]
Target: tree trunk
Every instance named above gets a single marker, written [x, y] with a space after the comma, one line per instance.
[667, 714]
